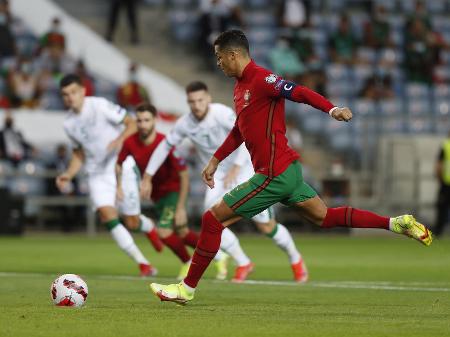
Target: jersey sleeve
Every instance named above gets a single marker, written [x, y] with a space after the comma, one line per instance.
[178, 162]
[124, 153]
[274, 86]
[177, 134]
[114, 113]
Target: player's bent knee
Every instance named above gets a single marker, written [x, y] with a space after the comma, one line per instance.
[132, 222]
[224, 214]
[265, 227]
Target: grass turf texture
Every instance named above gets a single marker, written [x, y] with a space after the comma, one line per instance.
[124, 306]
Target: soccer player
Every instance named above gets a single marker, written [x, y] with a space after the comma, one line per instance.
[259, 103]
[171, 184]
[207, 126]
[97, 129]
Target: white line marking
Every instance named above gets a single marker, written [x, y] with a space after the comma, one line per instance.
[370, 285]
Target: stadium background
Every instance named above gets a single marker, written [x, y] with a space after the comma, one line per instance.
[372, 284]
[401, 107]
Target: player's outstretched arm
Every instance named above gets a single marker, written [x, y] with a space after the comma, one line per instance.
[158, 157]
[180, 212]
[75, 164]
[146, 186]
[209, 170]
[130, 128]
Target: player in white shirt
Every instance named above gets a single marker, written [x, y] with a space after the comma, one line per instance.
[207, 126]
[97, 129]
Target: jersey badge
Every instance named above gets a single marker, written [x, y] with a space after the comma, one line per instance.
[247, 96]
[271, 79]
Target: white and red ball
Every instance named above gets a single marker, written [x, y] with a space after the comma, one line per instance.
[69, 290]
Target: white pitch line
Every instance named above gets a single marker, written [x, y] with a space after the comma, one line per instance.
[370, 285]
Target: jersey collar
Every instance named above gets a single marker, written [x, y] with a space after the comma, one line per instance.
[248, 72]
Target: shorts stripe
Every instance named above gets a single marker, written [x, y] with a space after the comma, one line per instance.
[251, 194]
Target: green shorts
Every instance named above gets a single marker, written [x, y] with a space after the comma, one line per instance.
[260, 192]
[165, 210]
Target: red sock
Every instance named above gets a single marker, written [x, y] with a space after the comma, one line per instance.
[177, 246]
[191, 239]
[353, 217]
[207, 247]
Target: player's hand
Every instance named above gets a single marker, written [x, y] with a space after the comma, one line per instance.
[62, 182]
[342, 114]
[146, 187]
[180, 216]
[119, 193]
[208, 172]
[115, 145]
[231, 177]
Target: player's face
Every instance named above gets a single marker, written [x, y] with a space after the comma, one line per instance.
[226, 61]
[199, 103]
[145, 123]
[73, 96]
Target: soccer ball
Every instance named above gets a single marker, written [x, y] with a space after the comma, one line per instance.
[69, 290]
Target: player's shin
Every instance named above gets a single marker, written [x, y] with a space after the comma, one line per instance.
[207, 247]
[283, 239]
[353, 217]
[125, 241]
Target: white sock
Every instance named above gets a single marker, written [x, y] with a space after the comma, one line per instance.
[391, 223]
[219, 256]
[188, 288]
[230, 245]
[147, 224]
[125, 241]
[283, 239]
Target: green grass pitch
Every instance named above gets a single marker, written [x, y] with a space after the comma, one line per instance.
[360, 286]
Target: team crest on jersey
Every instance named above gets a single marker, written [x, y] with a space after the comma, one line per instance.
[271, 78]
[247, 96]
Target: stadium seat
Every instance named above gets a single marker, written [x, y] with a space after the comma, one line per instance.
[420, 124]
[311, 120]
[364, 107]
[260, 19]
[360, 74]
[417, 106]
[337, 72]
[441, 91]
[417, 91]
[183, 25]
[28, 181]
[366, 55]
[392, 107]
[436, 6]
[258, 4]
[442, 107]
[340, 134]
[440, 23]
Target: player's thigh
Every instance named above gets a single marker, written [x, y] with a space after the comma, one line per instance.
[252, 197]
[131, 203]
[165, 209]
[102, 191]
[314, 210]
[224, 214]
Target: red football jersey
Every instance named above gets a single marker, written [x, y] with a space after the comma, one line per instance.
[260, 123]
[167, 178]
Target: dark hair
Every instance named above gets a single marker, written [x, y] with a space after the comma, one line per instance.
[70, 79]
[196, 86]
[233, 38]
[145, 106]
